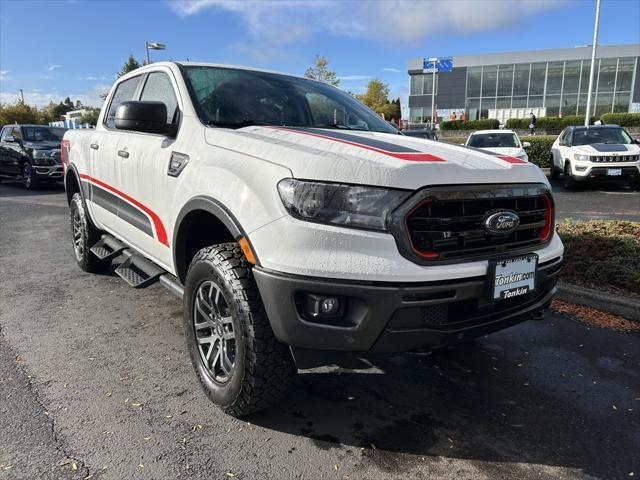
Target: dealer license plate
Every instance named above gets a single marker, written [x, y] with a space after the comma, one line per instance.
[513, 277]
[614, 172]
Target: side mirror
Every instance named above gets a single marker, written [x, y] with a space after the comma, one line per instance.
[562, 143]
[147, 117]
[637, 140]
[526, 144]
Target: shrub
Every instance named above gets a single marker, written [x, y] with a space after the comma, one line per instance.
[602, 254]
[540, 148]
[484, 124]
[547, 123]
[622, 119]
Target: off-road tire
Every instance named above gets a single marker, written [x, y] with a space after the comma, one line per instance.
[567, 179]
[28, 177]
[86, 236]
[263, 366]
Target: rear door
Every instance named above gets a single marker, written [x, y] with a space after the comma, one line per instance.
[104, 177]
[143, 161]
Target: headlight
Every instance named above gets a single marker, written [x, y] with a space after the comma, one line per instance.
[41, 153]
[583, 158]
[340, 204]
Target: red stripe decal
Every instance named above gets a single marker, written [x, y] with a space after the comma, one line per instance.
[510, 159]
[409, 156]
[161, 233]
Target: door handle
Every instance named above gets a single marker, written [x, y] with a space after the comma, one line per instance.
[95, 146]
[123, 153]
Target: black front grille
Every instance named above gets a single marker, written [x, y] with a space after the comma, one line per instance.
[614, 158]
[449, 225]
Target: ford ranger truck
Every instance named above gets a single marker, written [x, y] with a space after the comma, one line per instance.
[296, 224]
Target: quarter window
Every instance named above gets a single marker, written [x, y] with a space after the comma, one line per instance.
[158, 88]
[125, 92]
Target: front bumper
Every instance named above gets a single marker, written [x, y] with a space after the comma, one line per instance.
[600, 173]
[48, 172]
[397, 317]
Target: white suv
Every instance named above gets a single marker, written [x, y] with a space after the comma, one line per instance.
[503, 142]
[595, 153]
[296, 224]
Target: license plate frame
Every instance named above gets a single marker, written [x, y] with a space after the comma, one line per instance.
[521, 264]
[614, 172]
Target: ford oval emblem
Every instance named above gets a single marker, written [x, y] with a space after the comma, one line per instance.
[501, 222]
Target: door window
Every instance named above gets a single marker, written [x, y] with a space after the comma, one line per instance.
[17, 134]
[158, 88]
[125, 92]
[6, 133]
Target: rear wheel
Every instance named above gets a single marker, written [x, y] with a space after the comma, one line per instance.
[240, 364]
[84, 236]
[568, 182]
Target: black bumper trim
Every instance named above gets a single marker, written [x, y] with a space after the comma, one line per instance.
[372, 306]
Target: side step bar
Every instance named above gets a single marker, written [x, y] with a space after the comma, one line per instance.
[107, 248]
[136, 270]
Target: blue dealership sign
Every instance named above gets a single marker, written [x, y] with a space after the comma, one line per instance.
[443, 64]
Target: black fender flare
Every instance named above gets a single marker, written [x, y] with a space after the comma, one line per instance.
[218, 210]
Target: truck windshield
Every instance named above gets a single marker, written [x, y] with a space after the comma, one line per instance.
[494, 140]
[234, 98]
[42, 134]
[584, 136]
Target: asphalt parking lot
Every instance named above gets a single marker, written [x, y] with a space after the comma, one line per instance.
[95, 381]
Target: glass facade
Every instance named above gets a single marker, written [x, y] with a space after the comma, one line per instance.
[560, 87]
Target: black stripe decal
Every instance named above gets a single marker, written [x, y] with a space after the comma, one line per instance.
[119, 207]
[369, 142]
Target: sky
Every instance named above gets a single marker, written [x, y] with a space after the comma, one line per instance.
[57, 48]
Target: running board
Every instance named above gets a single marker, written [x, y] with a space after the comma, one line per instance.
[138, 272]
[107, 248]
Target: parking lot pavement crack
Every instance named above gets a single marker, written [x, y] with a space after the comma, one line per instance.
[14, 373]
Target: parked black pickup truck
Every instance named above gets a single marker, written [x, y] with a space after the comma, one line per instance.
[31, 153]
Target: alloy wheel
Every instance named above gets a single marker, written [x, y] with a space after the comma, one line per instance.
[214, 332]
[78, 234]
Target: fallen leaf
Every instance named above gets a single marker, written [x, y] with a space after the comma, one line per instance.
[231, 474]
[108, 394]
[140, 466]
[74, 466]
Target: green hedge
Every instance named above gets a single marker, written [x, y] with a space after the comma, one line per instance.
[540, 149]
[548, 123]
[485, 124]
[622, 119]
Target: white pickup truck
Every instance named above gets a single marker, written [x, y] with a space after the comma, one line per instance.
[296, 224]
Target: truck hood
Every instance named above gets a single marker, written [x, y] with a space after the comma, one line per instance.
[606, 149]
[44, 145]
[373, 158]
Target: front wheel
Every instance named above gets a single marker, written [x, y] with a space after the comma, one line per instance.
[84, 236]
[240, 364]
[568, 182]
[554, 173]
[28, 176]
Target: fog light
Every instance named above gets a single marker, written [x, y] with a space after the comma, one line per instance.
[580, 168]
[324, 306]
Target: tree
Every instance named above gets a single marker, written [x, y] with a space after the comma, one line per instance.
[129, 66]
[91, 116]
[319, 71]
[18, 113]
[377, 94]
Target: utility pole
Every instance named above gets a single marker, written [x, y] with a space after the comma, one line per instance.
[22, 95]
[594, 46]
[433, 61]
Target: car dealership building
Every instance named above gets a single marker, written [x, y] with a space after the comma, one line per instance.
[513, 84]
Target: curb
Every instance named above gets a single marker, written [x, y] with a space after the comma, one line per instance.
[626, 307]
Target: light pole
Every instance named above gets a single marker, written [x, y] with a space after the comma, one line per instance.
[153, 46]
[594, 46]
[433, 61]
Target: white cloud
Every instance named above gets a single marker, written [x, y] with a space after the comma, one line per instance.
[392, 70]
[354, 77]
[3, 74]
[40, 98]
[92, 78]
[53, 66]
[285, 22]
